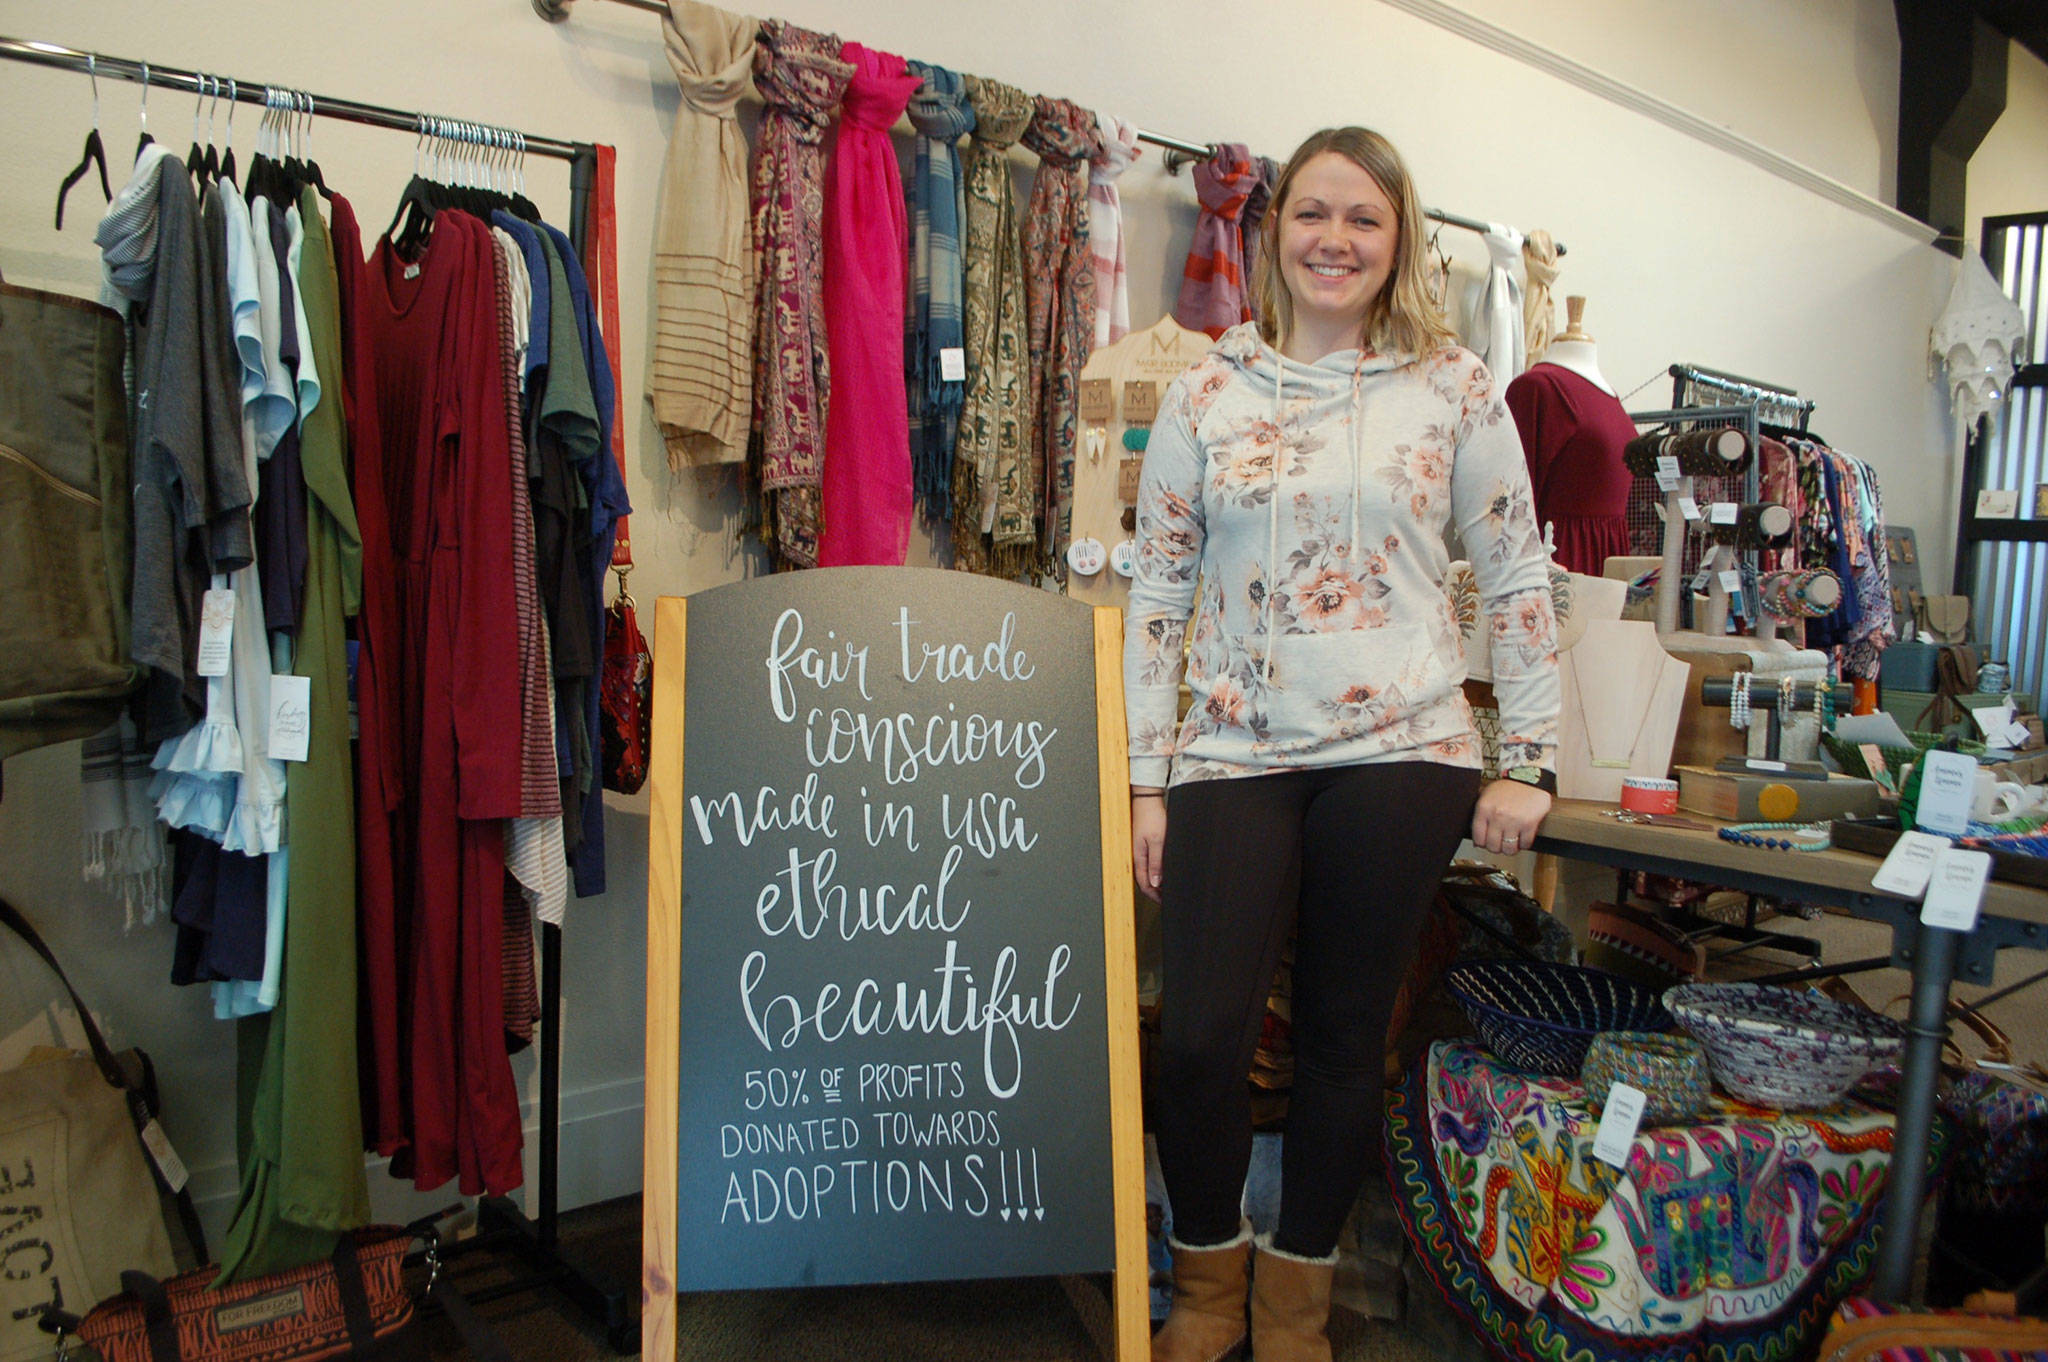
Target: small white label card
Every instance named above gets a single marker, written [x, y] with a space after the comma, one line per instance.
[1700, 579]
[291, 717]
[1948, 780]
[1763, 764]
[1723, 513]
[167, 1161]
[1618, 1122]
[1667, 472]
[1991, 720]
[1956, 891]
[1731, 581]
[1998, 503]
[952, 364]
[216, 631]
[1689, 508]
[1908, 865]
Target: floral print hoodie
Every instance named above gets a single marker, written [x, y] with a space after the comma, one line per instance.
[1291, 522]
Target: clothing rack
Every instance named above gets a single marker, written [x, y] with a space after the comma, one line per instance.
[1179, 150]
[505, 1226]
[1778, 401]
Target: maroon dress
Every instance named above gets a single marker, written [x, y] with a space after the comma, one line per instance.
[1572, 435]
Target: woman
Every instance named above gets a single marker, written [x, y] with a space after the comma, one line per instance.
[1291, 518]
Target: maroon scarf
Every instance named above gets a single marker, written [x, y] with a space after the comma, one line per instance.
[1059, 303]
[1212, 285]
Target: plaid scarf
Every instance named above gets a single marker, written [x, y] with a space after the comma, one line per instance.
[1059, 289]
[800, 77]
[1212, 286]
[941, 116]
[995, 418]
[1106, 227]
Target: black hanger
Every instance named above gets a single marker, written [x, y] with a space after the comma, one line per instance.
[227, 160]
[145, 139]
[95, 153]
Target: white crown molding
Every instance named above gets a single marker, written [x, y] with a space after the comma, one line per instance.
[1512, 44]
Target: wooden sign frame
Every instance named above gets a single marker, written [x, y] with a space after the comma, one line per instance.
[659, 1240]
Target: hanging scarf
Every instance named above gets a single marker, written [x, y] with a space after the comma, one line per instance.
[941, 116]
[1255, 204]
[800, 77]
[1212, 292]
[699, 372]
[1059, 291]
[1106, 227]
[995, 417]
[866, 490]
[1496, 329]
[1539, 317]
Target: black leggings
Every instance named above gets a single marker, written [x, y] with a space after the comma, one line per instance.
[1370, 843]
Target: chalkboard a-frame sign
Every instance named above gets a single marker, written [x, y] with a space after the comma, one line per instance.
[891, 993]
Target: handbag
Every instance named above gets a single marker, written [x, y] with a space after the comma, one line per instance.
[625, 686]
[1865, 1331]
[83, 1164]
[1946, 618]
[65, 520]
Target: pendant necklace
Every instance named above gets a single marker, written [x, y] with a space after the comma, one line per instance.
[1601, 763]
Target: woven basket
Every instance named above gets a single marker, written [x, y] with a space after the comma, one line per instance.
[1670, 1070]
[1849, 756]
[1542, 1017]
[1784, 1048]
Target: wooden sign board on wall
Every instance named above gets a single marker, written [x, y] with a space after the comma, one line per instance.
[891, 993]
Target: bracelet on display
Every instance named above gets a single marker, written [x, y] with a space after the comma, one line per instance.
[1738, 700]
[1808, 593]
[1780, 836]
[1714, 453]
[1758, 525]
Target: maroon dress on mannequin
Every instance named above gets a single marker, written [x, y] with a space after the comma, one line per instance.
[1572, 434]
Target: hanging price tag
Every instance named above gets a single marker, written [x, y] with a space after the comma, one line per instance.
[1947, 782]
[291, 717]
[166, 1158]
[216, 631]
[1955, 891]
[1689, 508]
[1723, 513]
[1731, 582]
[1618, 1121]
[1909, 864]
[1700, 579]
[953, 364]
[1667, 472]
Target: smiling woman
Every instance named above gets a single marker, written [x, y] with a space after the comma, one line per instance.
[1300, 479]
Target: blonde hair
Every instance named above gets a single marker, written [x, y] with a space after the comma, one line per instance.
[1402, 318]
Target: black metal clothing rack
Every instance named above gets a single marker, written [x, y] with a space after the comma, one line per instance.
[536, 1240]
[1688, 379]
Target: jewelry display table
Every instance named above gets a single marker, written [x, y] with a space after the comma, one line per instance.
[1731, 1235]
[2012, 916]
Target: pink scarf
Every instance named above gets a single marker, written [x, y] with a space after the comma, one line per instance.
[867, 244]
[1212, 285]
[1106, 227]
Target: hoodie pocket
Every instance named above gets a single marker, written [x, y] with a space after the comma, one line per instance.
[1336, 687]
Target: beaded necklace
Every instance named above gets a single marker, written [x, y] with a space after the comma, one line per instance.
[1780, 836]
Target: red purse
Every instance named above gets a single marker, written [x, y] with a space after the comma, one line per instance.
[625, 687]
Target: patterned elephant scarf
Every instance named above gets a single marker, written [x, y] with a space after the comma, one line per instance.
[1212, 285]
[1106, 227]
[699, 373]
[989, 463]
[1059, 290]
[801, 78]
[941, 115]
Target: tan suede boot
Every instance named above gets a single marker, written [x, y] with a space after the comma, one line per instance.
[1209, 1288]
[1290, 1306]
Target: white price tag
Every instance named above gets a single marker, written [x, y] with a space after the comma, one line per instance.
[1948, 780]
[1700, 579]
[1763, 764]
[167, 1161]
[216, 631]
[1689, 508]
[952, 364]
[1667, 472]
[1909, 864]
[291, 717]
[1723, 513]
[1618, 1122]
[2013, 735]
[1731, 581]
[1662, 514]
[1956, 890]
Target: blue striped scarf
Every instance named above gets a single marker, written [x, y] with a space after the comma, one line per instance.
[940, 113]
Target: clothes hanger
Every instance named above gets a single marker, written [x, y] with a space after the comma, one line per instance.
[95, 151]
[195, 159]
[227, 160]
[421, 198]
[313, 175]
[143, 115]
[211, 165]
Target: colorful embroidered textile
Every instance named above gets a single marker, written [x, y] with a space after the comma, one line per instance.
[995, 418]
[1106, 227]
[1728, 1238]
[1212, 285]
[867, 493]
[801, 77]
[700, 372]
[941, 115]
[1059, 299]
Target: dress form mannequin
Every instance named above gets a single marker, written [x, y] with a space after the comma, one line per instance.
[1573, 348]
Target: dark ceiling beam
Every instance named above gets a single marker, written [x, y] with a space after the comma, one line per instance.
[1951, 90]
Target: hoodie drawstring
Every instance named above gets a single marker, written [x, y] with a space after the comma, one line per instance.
[1357, 462]
[1273, 521]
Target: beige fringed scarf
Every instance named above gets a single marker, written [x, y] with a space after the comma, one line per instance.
[1539, 323]
[700, 376]
[995, 424]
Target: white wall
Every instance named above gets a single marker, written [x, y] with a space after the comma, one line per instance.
[1687, 252]
[2008, 174]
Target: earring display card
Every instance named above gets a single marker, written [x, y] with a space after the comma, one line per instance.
[1141, 401]
[1905, 573]
[1098, 402]
[2041, 501]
